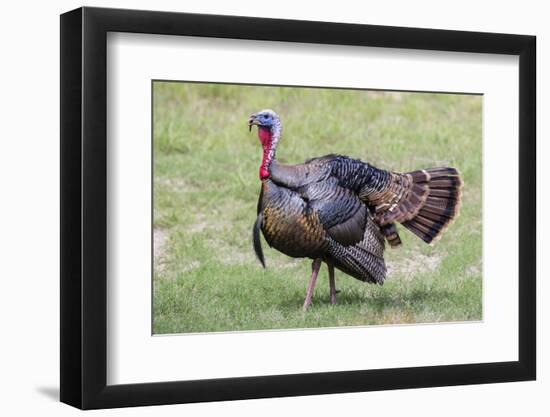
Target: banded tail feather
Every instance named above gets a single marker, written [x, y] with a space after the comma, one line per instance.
[441, 205]
[390, 233]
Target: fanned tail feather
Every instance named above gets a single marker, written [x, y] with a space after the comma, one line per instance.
[390, 233]
[439, 206]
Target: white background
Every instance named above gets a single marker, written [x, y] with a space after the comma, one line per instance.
[133, 60]
[30, 237]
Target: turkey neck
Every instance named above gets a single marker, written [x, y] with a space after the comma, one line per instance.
[269, 138]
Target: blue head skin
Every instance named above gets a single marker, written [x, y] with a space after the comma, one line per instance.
[266, 119]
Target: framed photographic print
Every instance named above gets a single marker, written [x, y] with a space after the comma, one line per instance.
[255, 207]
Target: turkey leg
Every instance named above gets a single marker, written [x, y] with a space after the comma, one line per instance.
[315, 266]
[331, 283]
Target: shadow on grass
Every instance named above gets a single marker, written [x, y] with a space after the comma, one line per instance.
[378, 302]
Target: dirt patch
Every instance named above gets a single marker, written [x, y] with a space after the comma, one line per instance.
[204, 222]
[191, 266]
[415, 262]
[160, 238]
[176, 184]
[237, 258]
[473, 270]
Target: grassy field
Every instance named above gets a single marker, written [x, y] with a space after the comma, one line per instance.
[206, 188]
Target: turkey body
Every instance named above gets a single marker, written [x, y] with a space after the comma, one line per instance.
[342, 210]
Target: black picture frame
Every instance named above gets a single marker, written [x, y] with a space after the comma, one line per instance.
[84, 207]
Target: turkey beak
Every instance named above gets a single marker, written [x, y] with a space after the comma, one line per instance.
[251, 122]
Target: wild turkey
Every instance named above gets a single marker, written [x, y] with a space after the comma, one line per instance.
[339, 210]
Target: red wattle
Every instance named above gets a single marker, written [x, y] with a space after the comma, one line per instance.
[266, 137]
[264, 173]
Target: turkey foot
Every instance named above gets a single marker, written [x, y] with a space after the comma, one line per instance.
[332, 284]
[315, 266]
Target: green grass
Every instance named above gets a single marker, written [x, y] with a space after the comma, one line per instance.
[206, 188]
